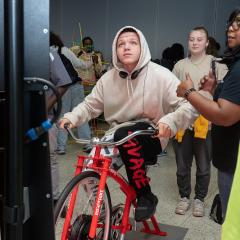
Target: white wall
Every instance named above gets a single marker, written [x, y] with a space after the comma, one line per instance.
[162, 22]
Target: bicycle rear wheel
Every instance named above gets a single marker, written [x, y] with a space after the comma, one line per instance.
[72, 221]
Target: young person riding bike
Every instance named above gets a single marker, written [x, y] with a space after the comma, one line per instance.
[144, 93]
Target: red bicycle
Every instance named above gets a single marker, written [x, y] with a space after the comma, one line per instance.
[84, 210]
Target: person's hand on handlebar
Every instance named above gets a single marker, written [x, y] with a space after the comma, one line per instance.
[164, 131]
[65, 122]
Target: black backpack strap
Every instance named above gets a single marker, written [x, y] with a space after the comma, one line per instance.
[69, 67]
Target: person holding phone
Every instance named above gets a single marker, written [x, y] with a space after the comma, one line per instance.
[195, 141]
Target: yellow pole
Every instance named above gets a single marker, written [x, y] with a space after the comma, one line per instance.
[73, 39]
[231, 225]
[81, 36]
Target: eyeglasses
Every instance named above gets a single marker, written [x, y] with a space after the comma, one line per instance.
[235, 24]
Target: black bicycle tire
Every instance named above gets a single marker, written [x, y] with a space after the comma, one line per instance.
[68, 189]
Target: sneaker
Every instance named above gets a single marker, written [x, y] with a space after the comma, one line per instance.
[61, 152]
[182, 206]
[198, 208]
[146, 207]
[162, 154]
[87, 148]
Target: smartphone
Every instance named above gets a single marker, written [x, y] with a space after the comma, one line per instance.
[213, 67]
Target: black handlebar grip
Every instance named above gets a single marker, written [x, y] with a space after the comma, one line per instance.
[156, 132]
[66, 125]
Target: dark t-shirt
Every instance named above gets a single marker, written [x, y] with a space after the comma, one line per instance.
[226, 139]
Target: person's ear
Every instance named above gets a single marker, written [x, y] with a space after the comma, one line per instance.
[207, 43]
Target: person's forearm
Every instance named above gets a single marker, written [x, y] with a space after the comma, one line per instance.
[50, 102]
[76, 62]
[209, 109]
[52, 99]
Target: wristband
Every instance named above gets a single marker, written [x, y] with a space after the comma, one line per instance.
[188, 91]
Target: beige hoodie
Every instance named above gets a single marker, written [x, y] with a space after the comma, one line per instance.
[152, 95]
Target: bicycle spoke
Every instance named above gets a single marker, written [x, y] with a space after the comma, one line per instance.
[78, 221]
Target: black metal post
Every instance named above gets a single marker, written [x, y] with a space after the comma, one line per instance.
[27, 207]
[13, 205]
[3, 117]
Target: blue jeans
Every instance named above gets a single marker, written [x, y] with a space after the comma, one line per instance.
[73, 96]
[225, 180]
[52, 133]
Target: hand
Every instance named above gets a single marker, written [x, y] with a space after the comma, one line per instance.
[64, 121]
[208, 83]
[164, 131]
[95, 58]
[80, 53]
[184, 86]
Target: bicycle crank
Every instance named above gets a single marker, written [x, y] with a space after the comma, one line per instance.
[81, 227]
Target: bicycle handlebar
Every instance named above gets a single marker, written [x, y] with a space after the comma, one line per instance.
[97, 141]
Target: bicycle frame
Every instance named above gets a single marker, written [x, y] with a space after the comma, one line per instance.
[101, 165]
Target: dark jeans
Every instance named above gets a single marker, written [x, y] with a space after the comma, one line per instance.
[225, 180]
[185, 151]
[135, 153]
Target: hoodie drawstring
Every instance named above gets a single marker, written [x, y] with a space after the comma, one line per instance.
[129, 94]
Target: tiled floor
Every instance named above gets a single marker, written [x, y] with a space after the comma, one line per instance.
[163, 182]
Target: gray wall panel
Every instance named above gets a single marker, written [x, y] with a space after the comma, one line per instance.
[162, 22]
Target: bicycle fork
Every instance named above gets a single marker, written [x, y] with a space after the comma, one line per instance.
[99, 199]
[72, 202]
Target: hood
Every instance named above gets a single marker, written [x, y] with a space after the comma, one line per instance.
[145, 56]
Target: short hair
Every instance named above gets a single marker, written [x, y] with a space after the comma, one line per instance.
[55, 40]
[87, 38]
[128, 29]
[201, 28]
[177, 52]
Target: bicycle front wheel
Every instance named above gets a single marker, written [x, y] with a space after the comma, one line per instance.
[74, 209]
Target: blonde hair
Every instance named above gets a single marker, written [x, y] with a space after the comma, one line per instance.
[200, 28]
